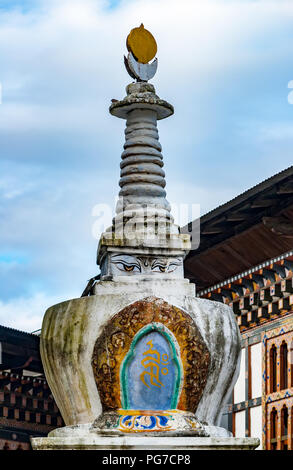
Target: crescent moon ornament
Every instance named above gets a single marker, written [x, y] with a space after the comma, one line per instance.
[142, 72]
[142, 48]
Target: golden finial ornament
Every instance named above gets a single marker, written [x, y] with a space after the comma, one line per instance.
[142, 44]
[142, 48]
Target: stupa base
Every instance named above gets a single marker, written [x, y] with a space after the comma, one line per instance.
[96, 442]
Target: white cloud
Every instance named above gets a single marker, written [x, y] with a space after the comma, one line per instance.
[26, 314]
[268, 131]
[206, 198]
[69, 53]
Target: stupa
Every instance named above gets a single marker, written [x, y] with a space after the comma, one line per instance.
[141, 363]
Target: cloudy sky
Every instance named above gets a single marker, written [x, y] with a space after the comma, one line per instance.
[225, 65]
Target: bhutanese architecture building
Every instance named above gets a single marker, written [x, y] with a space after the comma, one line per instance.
[27, 407]
[245, 259]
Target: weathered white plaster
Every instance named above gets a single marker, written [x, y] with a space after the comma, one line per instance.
[256, 423]
[240, 423]
[71, 328]
[256, 370]
[137, 442]
[239, 389]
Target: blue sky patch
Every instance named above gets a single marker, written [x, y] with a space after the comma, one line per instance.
[11, 258]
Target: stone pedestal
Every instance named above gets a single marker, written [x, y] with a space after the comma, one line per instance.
[94, 442]
[82, 338]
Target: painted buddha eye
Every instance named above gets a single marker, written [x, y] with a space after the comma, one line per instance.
[172, 267]
[128, 267]
[126, 263]
[167, 266]
[159, 268]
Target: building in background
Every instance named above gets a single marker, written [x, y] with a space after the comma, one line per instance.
[245, 259]
[27, 407]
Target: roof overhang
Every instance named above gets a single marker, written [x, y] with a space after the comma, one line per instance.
[253, 227]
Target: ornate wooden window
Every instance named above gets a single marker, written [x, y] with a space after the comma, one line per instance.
[273, 369]
[284, 428]
[291, 363]
[290, 446]
[283, 366]
[277, 387]
[273, 428]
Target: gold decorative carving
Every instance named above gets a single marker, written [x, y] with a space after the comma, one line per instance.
[115, 340]
[153, 364]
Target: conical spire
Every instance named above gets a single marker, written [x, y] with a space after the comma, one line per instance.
[143, 222]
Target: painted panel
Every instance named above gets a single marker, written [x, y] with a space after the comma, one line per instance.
[240, 424]
[256, 370]
[151, 374]
[113, 345]
[256, 424]
[239, 389]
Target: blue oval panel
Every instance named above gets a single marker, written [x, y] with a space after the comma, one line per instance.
[150, 375]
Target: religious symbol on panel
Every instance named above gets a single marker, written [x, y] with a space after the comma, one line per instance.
[153, 364]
